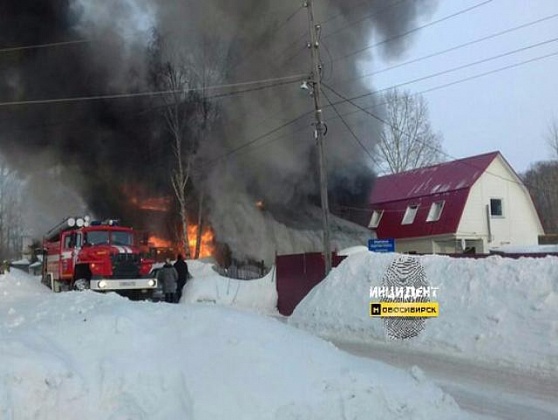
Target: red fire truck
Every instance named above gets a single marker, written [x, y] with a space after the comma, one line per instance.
[80, 254]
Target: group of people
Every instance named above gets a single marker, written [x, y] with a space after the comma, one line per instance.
[173, 278]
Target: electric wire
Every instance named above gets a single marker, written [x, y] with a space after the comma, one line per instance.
[301, 36]
[272, 82]
[446, 85]
[435, 88]
[362, 18]
[456, 47]
[48, 45]
[348, 127]
[349, 100]
[436, 149]
[263, 40]
[254, 140]
[464, 66]
[411, 31]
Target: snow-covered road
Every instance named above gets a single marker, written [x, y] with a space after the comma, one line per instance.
[495, 391]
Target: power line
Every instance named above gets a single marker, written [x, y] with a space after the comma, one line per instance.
[436, 149]
[385, 41]
[267, 134]
[254, 140]
[273, 82]
[363, 18]
[359, 109]
[263, 39]
[461, 67]
[301, 36]
[353, 134]
[49, 45]
[466, 44]
[443, 86]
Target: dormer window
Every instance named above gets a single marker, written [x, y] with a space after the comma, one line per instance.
[435, 211]
[375, 219]
[410, 214]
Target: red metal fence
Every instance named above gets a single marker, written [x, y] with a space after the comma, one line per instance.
[297, 274]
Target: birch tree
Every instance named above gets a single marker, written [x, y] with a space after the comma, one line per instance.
[188, 116]
[407, 140]
[11, 221]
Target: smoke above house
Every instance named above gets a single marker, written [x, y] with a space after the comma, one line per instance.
[103, 148]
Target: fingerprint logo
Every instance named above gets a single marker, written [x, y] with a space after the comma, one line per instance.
[405, 271]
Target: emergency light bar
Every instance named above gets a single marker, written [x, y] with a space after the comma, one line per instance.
[107, 222]
[69, 222]
[79, 221]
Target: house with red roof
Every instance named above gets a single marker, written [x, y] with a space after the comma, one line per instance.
[466, 205]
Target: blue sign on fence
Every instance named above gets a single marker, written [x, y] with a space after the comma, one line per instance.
[381, 245]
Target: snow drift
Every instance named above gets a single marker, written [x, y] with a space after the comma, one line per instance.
[492, 310]
[91, 356]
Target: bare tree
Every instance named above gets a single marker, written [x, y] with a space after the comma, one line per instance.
[542, 182]
[188, 115]
[552, 137]
[408, 140]
[11, 221]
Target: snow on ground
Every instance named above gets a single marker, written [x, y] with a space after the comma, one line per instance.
[492, 310]
[83, 355]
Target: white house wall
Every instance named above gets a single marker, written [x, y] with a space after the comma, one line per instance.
[417, 245]
[519, 224]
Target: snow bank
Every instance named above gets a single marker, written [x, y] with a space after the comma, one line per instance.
[494, 310]
[92, 356]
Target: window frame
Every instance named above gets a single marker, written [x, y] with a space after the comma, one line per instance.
[379, 214]
[410, 208]
[502, 213]
[435, 216]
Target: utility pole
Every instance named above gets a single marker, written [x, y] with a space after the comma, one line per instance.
[315, 80]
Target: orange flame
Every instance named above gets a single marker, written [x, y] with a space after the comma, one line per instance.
[156, 242]
[207, 241]
[206, 247]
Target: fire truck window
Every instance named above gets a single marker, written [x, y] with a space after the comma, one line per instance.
[97, 237]
[68, 242]
[122, 238]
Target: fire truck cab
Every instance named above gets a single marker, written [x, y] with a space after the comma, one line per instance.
[80, 254]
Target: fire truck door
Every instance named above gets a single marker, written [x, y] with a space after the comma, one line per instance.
[67, 255]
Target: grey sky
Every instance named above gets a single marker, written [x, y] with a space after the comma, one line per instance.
[509, 110]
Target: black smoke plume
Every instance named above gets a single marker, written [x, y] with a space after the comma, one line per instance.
[106, 150]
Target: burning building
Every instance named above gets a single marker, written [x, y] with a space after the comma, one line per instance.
[83, 101]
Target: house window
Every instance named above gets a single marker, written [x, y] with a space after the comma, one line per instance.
[435, 211]
[410, 214]
[496, 208]
[375, 219]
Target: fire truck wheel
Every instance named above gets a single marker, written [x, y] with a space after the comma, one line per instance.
[81, 284]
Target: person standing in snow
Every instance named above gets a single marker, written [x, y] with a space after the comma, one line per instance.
[182, 269]
[168, 276]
